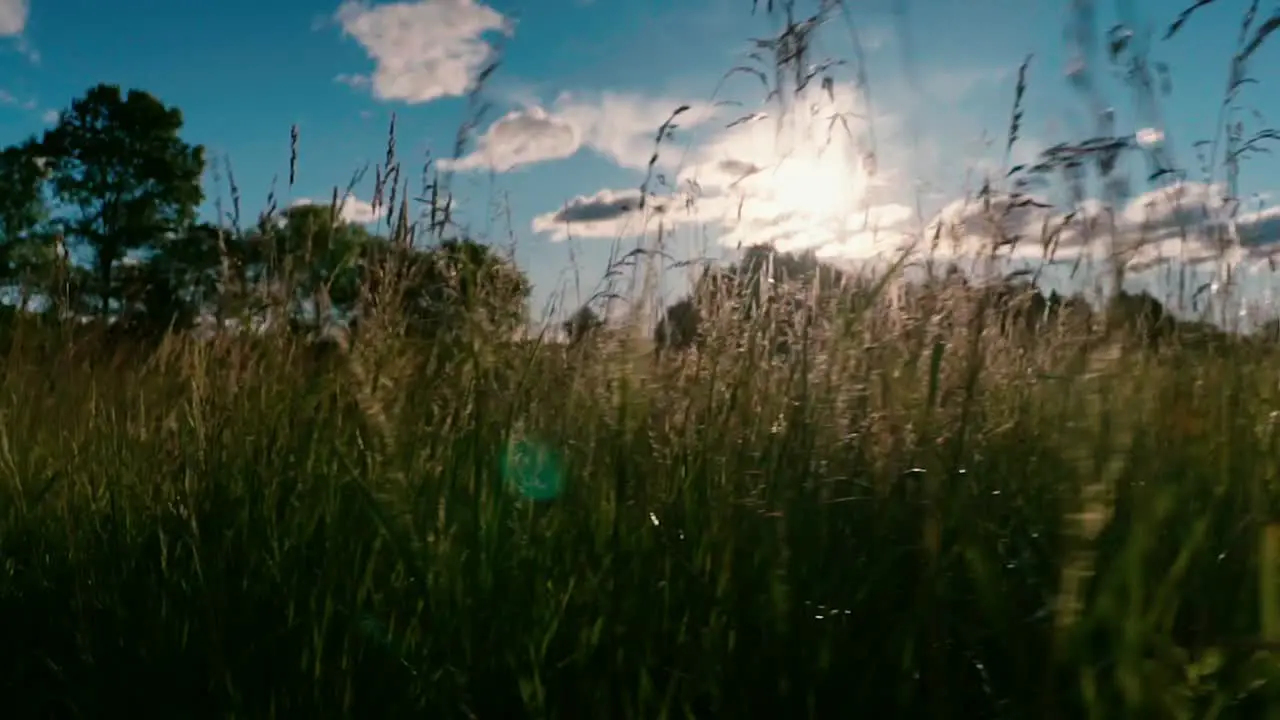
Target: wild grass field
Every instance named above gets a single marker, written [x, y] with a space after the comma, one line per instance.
[910, 523]
[878, 500]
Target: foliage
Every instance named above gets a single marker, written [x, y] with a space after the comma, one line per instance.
[22, 205]
[116, 162]
[316, 255]
[459, 284]
[582, 325]
[678, 328]
[126, 186]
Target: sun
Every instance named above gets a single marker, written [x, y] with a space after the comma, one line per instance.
[797, 183]
[821, 187]
[818, 198]
[805, 198]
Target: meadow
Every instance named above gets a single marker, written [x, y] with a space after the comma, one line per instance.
[891, 519]
[879, 499]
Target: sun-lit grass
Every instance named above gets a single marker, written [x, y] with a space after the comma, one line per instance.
[907, 508]
[897, 519]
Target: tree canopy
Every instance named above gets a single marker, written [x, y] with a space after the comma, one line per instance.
[99, 217]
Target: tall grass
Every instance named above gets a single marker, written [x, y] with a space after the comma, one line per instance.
[911, 510]
[900, 522]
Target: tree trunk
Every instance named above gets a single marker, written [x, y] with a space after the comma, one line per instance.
[106, 262]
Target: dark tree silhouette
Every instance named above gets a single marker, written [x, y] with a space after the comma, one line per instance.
[22, 203]
[28, 245]
[122, 176]
[114, 178]
[790, 285]
[180, 281]
[456, 284]
[582, 324]
[318, 256]
[679, 327]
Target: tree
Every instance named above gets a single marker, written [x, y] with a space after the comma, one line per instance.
[317, 259]
[679, 327]
[1140, 314]
[582, 324]
[22, 205]
[181, 279]
[790, 286]
[461, 282]
[127, 180]
[27, 245]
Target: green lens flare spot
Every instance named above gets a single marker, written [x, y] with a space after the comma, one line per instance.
[532, 470]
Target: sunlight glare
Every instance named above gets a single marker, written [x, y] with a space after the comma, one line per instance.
[799, 182]
[821, 187]
[808, 191]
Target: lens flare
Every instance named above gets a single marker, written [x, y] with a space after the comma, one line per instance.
[533, 470]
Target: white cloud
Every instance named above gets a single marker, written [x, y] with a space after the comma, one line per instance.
[606, 214]
[521, 137]
[799, 183]
[13, 17]
[619, 126]
[351, 209]
[49, 117]
[805, 182]
[358, 211]
[1188, 223]
[422, 50]
[622, 127]
[355, 81]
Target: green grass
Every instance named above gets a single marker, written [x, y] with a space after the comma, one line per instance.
[906, 512]
[896, 520]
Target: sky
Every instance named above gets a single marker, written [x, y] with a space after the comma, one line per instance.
[554, 166]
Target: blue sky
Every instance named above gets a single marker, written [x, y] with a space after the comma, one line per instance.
[584, 85]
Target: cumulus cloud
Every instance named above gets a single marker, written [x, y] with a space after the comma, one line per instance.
[521, 137]
[796, 183]
[606, 214]
[619, 126]
[805, 182]
[1195, 221]
[1260, 231]
[1189, 222]
[622, 126]
[351, 209]
[13, 17]
[422, 50]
